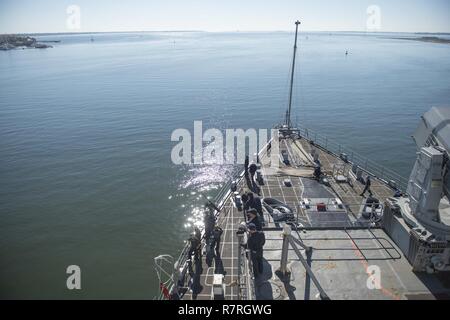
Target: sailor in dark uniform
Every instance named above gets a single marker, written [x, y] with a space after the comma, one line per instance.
[216, 236]
[257, 205]
[245, 201]
[209, 221]
[367, 187]
[252, 169]
[252, 218]
[195, 247]
[255, 243]
[250, 200]
[317, 172]
[198, 233]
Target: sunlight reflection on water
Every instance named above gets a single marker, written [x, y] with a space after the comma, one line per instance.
[203, 181]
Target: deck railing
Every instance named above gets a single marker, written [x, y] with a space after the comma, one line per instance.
[366, 164]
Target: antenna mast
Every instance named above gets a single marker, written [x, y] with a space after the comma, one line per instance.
[288, 112]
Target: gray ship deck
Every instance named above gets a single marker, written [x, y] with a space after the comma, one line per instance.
[345, 251]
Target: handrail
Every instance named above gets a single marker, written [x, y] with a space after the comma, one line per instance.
[367, 165]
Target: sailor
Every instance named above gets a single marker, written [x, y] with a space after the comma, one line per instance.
[256, 204]
[250, 200]
[255, 243]
[245, 201]
[367, 187]
[252, 169]
[216, 236]
[195, 247]
[317, 171]
[252, 218]
[233, 186]
[398, 193]
[209, 221]
[198, 233]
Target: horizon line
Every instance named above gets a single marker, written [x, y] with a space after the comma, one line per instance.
[221, 31]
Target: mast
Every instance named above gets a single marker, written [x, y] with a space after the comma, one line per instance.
[288, 112]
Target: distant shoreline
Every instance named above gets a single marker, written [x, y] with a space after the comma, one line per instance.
[427, 39]
[12, 42]
[26, 41]
[222, 31]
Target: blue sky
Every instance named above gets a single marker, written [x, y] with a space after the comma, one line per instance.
[26, 16]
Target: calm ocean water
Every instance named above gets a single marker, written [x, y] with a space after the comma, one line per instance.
[85, 169]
